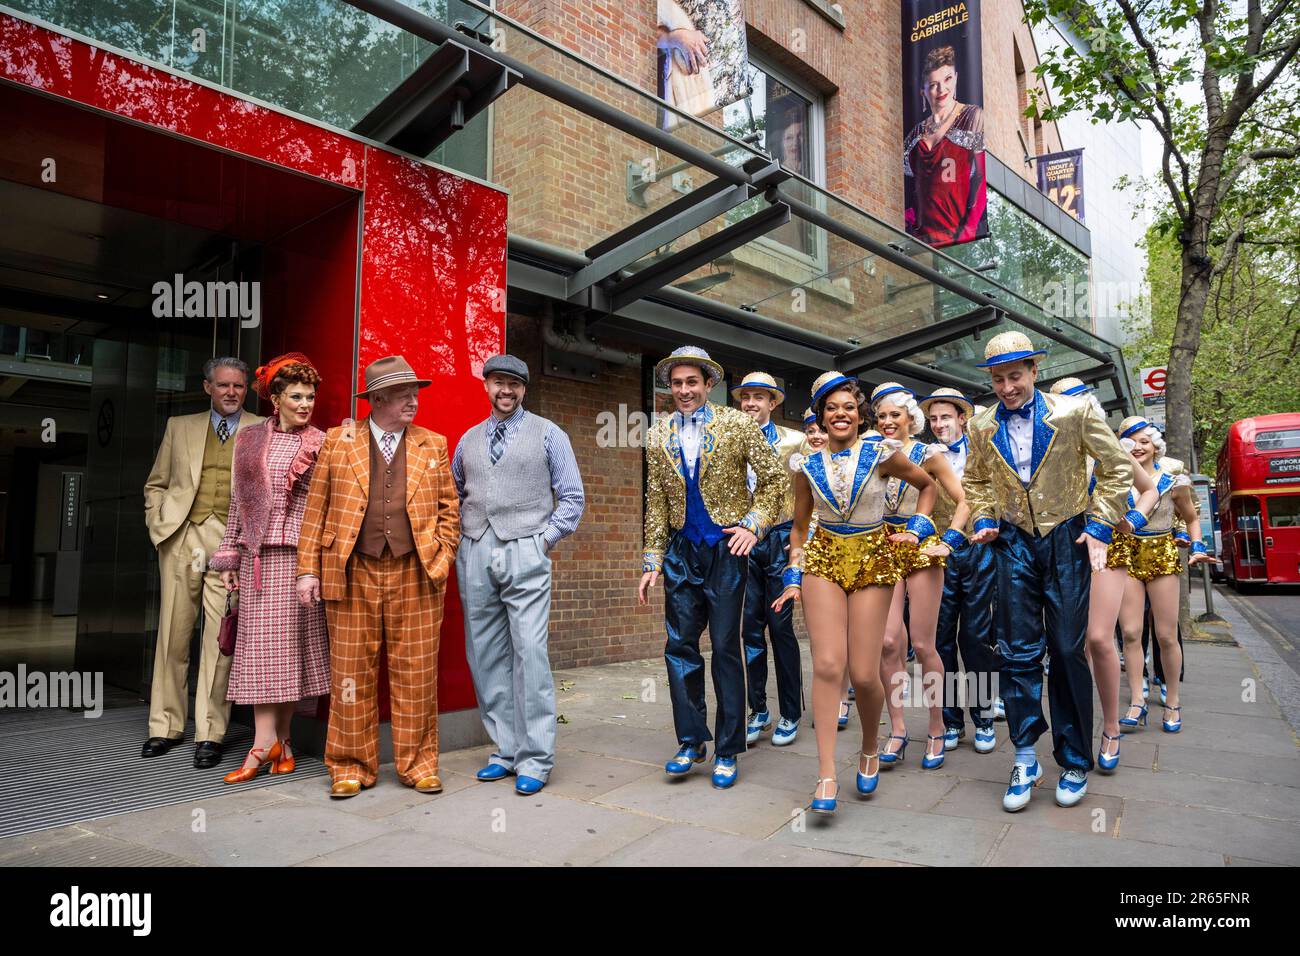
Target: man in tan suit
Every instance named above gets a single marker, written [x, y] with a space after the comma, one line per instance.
[377, 543]
[186, 499]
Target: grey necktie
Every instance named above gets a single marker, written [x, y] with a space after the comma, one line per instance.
[497, 445]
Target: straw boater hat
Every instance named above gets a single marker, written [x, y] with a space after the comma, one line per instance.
[387, 372]
[826, 383]
[808, 417]
[950, 395]
[1132, 425]
[1070, 386]
[760, 380]
[889, 388]
[1008, 347]
[688, 355]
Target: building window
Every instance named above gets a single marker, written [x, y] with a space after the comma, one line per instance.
[786, 119]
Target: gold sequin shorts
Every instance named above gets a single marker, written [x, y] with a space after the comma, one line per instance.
[853, 561]
[1155, 556]
[908, 557]
[1121, 551]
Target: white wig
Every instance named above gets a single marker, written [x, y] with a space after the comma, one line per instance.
[907, 402]
[1153, 433]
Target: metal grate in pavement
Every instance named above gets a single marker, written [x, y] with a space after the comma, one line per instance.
[60, 768]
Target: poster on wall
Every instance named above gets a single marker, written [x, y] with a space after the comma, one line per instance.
[702, 56]
[1060, 179]
[945, 197]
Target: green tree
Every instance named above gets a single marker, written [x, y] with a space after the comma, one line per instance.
[1218, 82]
[1250, 336]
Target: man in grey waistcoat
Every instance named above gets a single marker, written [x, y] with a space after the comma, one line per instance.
[520, 493]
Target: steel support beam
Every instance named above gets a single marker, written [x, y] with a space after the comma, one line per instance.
[918, 340]
[678, 264]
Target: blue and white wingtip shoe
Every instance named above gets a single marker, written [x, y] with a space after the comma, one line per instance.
[986, 740]
[760, 722]
[526, 785]
[785, 733]
[951, 737]
[493, 771]
[1024, 777]
[1071, 788]
[724, 772]
[685, 759]
[999, 710]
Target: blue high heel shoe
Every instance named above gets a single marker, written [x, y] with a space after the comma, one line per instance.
[824, 804]
[1141, 718]
[929, 762]
[888, 759]
[1104, 762]
[1173, 726]
[867, 784]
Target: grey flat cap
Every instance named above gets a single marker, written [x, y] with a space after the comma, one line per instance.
[507, 364]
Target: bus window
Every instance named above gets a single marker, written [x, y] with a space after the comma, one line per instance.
[1284, 511]
[1246, 519]
[1277, 440]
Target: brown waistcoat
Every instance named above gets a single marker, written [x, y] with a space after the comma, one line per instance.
[386, 523]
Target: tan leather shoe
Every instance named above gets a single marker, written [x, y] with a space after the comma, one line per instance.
[345, 788]
[429, 785]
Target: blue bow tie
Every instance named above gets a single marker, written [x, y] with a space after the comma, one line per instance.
[958, 445]
[842, 454]
[1025, 411]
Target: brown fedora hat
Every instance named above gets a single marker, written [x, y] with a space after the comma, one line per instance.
[387, 372]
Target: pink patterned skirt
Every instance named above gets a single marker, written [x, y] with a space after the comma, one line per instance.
[282, 653]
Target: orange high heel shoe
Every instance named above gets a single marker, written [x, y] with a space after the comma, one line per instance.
[285, 762]
[264, 760]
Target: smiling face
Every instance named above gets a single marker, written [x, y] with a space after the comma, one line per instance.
[841, 416]
[940, 89]
[505, 392]
[816, 435]
[1013, 382]
[893, 421]
[1144, 449]
[757, 403]
[947, 421]
[394, 408]
[294, 404]
[689, 386]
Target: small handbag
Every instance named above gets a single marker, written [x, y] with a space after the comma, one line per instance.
[229, 629]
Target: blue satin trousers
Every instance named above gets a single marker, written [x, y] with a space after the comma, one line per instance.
[762, 587]
[966, 622]
[1043, 586]
[704, 585]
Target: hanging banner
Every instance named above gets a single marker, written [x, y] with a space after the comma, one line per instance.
[1060, 179]
[945, 195]
[702, 56]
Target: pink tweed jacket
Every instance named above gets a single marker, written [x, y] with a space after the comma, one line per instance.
[260, 513]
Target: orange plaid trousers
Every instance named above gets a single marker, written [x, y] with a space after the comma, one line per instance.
[390, 602]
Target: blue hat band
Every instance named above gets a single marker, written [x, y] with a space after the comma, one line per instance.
[770, 388]
[892, 391]
[1134, 428]
[1077, 390]
[1006, 357]
[829, 387]
[950, 399]
[811, 419]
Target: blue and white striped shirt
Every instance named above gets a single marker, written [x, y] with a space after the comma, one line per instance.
[566, 481]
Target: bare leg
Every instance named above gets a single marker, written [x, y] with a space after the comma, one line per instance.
[867, 611]
[264, 735]
[825, 608]
[1132, 610]
[893, 664]
[1103, 610]
[283, 723]
[924, 589]
[1163, 592]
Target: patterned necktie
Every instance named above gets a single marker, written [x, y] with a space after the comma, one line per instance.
[223, 431]
[386, 444]
[497, 445]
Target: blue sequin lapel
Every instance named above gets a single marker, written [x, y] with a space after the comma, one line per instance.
[1001, 440]
[708, 441]
[1164, 482]
[672, 447]
[1044, 435]
[814, 468]
[868, 455]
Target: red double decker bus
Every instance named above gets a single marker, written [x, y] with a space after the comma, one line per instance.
[1258, 485]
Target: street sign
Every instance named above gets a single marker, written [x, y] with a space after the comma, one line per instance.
[1153, 381]
[1153, 410]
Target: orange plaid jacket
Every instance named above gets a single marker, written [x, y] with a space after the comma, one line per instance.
[340, 491]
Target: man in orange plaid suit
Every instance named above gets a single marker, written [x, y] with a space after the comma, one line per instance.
[378, 539]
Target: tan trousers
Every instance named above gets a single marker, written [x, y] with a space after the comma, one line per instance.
[182, 565]
[390, 604]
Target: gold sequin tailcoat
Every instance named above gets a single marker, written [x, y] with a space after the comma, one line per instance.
[1066, 434]
[729, 440]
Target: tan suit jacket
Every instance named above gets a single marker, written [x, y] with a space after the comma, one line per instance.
[340, 491]
[174, 481]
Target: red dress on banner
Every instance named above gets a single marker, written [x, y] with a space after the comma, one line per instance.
[949, 183]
